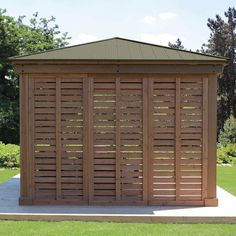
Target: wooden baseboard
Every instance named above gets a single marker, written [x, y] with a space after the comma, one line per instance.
[25, 201]
[207, 202]
[213, 202]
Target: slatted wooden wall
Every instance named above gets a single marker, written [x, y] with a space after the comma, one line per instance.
[104, 135]
[163, 131]
[117, 157]
[70, 123]
[43, 123]
[131, 136]
[58, 138]
[179, 137]
[123, 139]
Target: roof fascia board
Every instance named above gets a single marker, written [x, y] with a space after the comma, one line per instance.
[123, 68]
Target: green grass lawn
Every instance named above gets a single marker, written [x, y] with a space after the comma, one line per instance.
[72, 228]
[226, 178]
[6, 174]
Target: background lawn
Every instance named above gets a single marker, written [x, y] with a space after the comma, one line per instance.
[6, 174]
[226, 178]
[71, 228]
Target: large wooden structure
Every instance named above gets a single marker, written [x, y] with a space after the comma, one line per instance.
[118, 122]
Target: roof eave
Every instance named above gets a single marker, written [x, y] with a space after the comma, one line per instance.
[114, 61]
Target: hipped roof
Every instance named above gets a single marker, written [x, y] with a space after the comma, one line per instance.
[119, 49]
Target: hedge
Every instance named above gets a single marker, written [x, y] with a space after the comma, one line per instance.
[9, 155]
[227, 154]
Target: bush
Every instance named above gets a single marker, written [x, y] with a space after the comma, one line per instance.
[9, 155]
[226, 155]
[228, 134]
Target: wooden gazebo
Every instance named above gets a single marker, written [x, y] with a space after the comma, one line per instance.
[118, 122]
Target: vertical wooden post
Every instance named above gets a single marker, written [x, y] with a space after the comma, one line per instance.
[85, 139]
[212, 130]
[204, 136]
[24, 147]
[31, 165]
[211, 199]
[58, 138]
[118, 156]
[145, 139]
[177, 138]
[150, 140]
[23, 141]
[90, 141]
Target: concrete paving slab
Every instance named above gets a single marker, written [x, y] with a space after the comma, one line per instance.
[9, 209]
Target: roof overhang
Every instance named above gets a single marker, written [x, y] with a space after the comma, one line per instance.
[117, 66]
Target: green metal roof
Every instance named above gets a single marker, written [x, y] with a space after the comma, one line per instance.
[119, 49]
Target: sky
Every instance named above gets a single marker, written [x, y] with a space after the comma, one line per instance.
[154, 21]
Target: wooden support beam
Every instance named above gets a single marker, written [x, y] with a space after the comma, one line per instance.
[177, 139]
[31, 165]
[90, 141]
[58, 138]
[145, 139]
[24, 138]
[118, 156]
[150, 140]
[119, 68]
[212, 130]
[204, 137]
[85, 139]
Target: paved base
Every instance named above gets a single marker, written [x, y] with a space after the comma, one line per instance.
[10, 210]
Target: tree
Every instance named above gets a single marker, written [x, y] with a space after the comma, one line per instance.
[228, 134]
[177, 45]
[17, 38]
[222, 43]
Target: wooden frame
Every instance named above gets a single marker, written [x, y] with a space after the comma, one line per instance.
[111, 67]
[134, 168]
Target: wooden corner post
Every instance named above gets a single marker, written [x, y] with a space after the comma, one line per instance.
[211, 198]
[24, 154]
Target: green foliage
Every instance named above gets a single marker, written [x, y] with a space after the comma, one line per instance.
[18, 38]
[228, 134]
[222, 43]
[227, 154]
[9, 155]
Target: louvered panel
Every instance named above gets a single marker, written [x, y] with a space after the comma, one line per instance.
[128, 139]
[163, 157]
[71, 138]
[131, 136]
[104, 140]
[44, 138]
[191, 99]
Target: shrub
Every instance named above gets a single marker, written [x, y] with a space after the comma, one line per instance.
[226, 155]
[228, 134]
[9, 155]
